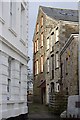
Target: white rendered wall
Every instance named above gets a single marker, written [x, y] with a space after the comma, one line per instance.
[12, 46]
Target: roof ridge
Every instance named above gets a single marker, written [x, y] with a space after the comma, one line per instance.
[57, 8]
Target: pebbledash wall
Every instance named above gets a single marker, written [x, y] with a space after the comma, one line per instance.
[13, 59]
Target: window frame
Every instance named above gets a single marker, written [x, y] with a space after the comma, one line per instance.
[48, 43]
[52, 61]
[37, 67]
[37, 27]
[57, 35]
[48, 65]
[42, 39]
[41, 21]
[57, 59]
[41, 63]
[37, 48]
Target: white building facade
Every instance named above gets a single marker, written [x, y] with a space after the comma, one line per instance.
[13, 59]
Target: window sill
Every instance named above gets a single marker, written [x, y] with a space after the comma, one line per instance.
[22, 41]
[47, 72]
[41, 26]
[56, 68]
[51, 51]
[13, 101]
[56, 42]
[41, 46]
[36, 74]
[12, 31]
[10, 102]
[37, 33]
[36, 52]
[47, 50]
[41, 72]
[1, 20]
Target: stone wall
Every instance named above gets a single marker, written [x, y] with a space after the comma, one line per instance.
[69, 76]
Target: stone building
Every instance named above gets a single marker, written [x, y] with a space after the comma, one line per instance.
[69, 66]
[53, 28]
[13, 59]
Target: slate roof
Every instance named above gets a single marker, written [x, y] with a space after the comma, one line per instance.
[61, 14]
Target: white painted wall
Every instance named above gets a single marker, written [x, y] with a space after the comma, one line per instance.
[13, 103]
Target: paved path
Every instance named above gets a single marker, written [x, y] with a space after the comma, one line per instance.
[40, 112]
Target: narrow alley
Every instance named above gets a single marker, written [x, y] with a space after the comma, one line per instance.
[40, 112]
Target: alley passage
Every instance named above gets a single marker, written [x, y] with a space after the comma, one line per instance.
[40, 112]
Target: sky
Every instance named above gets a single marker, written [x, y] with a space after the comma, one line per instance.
[33, 12]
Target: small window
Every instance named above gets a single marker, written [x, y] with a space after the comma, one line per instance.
[22, 22]
[48, 65]
[37, 28]
[52, 61]
[61, 70]
[41, 39]
[57, 35]
[41, 21]
[41, 63]
[57, 60]
[12, 14]
[52, 40]
[9, 67]
[66, 65]
[37, 67]
[37, 45]
[47, 43]
[11, 7]
[52, 87]
[8, 85]
[58, 87]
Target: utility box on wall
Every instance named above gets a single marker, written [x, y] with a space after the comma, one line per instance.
[73, 109]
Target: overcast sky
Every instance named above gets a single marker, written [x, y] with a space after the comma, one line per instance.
[33, 11]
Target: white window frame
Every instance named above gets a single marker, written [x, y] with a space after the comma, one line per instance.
[57, 86]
